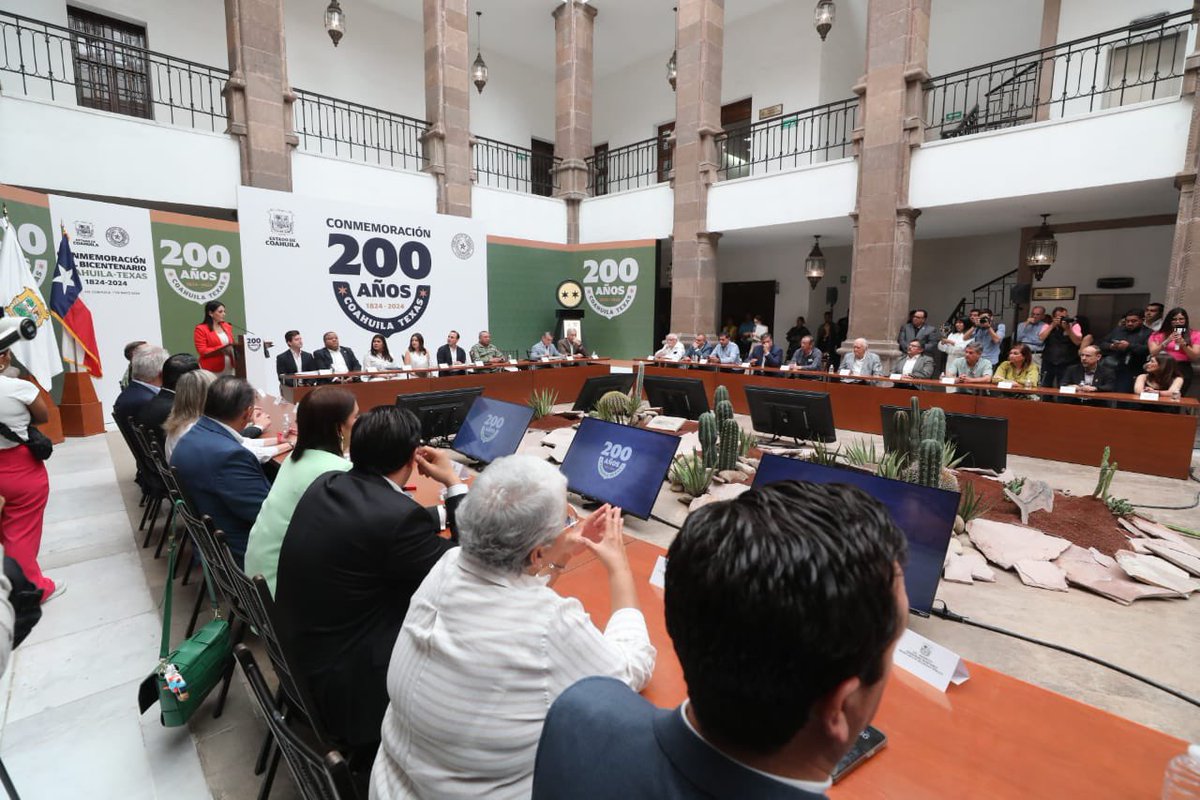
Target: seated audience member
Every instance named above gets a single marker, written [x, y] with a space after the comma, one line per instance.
[784, 606]
[356, 549]
[699, 350]
[1019, 368]
[795, 334]
[807, 357]
[1090, 374]
[972, 367]
[1029, 332]
[917, 363]
[294, 359]
[380, 357]
[1126, 349]
[1162, 375]
[145, 371]
[726, 352]
[672, 349]
[1153, 317]
[827, 335]
[571, 345]
[334, 357]
[765, 353]
[191, 392]
[917, 328]
[450, 353]
[1177, 339]
[155, 412]
[219, 474]
[323, 421]
[487, 645]
[1061, 339]
[989, 333]
[129, 350]
[544, 348]
[861, 361]
[416, 356]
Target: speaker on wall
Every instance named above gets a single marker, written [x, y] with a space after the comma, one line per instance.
[1018, 293]
[1123, 282]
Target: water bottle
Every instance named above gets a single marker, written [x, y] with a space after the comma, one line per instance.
[1182, 778]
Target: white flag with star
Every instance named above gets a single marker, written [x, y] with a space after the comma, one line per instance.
[21, 297]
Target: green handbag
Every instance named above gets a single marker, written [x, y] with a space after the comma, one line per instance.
[185, 676]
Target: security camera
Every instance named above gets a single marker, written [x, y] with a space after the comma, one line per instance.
[13, 329]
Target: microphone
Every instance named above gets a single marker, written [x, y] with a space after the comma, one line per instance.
[266, 345]
[14, 329]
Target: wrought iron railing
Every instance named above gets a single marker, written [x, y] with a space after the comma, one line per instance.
[517, 169]
[1141, 62]
[39, 60]
[630, 167]
[996, 294]
[356, 132]
[793, 140]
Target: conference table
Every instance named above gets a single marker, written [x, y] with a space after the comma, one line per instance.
[992, 737]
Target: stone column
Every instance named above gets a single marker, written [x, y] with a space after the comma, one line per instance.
[574, 24]
[697, 122]
[258, 98]
[1183, 277]
[891, 109]
[448, 104]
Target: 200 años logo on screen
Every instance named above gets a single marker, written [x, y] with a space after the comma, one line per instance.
[394, 292]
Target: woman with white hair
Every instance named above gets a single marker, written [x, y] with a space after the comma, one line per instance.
[487, 645]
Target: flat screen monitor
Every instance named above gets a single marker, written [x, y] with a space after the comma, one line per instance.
[595, 388]
[441, 413]
[983, 441]
[492, 429]
[677, 397]
[791, 412]
[619, 464]
[926, 516]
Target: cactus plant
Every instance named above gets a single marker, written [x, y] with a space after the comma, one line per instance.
[1107, 471]
[542, 402]
[727, 452]
[613, 407]
[691, 473]
[929, 463]
[721, 393]
[914, 429]
[933, 425]
[708, 438]
[636, 391]
[724, 411]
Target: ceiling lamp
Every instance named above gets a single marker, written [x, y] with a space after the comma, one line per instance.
[814, 265]
[673, 61]
[823, 17]
[335, 22]
[479, 70]
[1041, 250]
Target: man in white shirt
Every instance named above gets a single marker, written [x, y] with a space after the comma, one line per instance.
[672, 349]
[1154, 316]
[917, 364]
[335, 358]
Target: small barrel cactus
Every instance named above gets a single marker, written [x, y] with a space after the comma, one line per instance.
[708, 438]
[613, 407]
[731, 436]
[721, 393]
[724, 411]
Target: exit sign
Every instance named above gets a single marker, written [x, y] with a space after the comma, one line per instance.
[790, 122]
[953, 116]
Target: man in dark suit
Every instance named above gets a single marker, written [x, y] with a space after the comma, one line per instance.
[145, 371]
[334, 357]
[357, 548]
[294, 359]
[783, 605]
[450, 353]
[1090, 374]
[218, 473]
[155, 412]
[766, 354]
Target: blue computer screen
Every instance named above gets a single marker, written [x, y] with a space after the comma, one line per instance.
[619, 464]
[492, 429]
[926, 516]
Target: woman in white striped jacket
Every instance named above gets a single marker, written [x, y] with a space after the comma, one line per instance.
[487, 645]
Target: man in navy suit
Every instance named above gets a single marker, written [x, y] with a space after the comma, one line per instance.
[450, 353]
[784, 605]
[766, 354]
[218, 473]
[294, 359]
[334, 357]
[145, 371]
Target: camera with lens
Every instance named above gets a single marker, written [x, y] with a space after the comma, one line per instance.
[985, 320]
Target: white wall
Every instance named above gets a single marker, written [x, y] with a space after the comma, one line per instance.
[822, 191]
[837, 267]
[646, 213]
[1079, 18]
[946, 270]
[521, 216]
[518, 102]
[773, 261]
[968, 33]
[80, 150]
[1143, 253]
[629, 105]
[335, 179]
[844, 54]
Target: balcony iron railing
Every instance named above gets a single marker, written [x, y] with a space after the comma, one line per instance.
[41, 58]
[517, 169]
[630, 167]
[1141, 62]
[356, 132]
[793, 140]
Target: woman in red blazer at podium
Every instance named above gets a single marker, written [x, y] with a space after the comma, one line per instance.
[214, 340]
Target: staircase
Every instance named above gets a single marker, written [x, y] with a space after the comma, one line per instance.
[996, 294]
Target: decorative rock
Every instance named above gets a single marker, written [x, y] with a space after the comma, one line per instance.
[1004, 544]
[1157, 572]
[980, 570]
[955, 546]
[1101, 559]
[960, 525]
[1088, 570]
[1034, 496]
[717, 493]
[958, 569]
[1041, 575]
[1160, 531]
[1182, 556]
[731, 475]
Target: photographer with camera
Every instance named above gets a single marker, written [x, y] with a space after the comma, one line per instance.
[1126, 349]
[989, 333]
[1060, 347]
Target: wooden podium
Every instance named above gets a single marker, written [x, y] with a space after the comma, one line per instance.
[52, 428]
[80, 407]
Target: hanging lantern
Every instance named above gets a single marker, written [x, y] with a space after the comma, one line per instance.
[479, 70]
[335, 22]
[814, 265]
[1041, 250]
[823, 17]
[673, 61]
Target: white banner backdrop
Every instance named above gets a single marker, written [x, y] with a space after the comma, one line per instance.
[317, 265]
[114, 252]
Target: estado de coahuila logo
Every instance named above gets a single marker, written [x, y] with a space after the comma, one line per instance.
[382, 286]
[492, 424]
[610, 286]
[613, 460]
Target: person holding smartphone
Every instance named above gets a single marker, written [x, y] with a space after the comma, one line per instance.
[1179, 341]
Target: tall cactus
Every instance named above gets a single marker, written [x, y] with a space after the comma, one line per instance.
[708, 438]
[637, 388]
[929, 463]
[721, 393]
[730, 441]
[933, 425]
[914, 428]
[724, 411]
